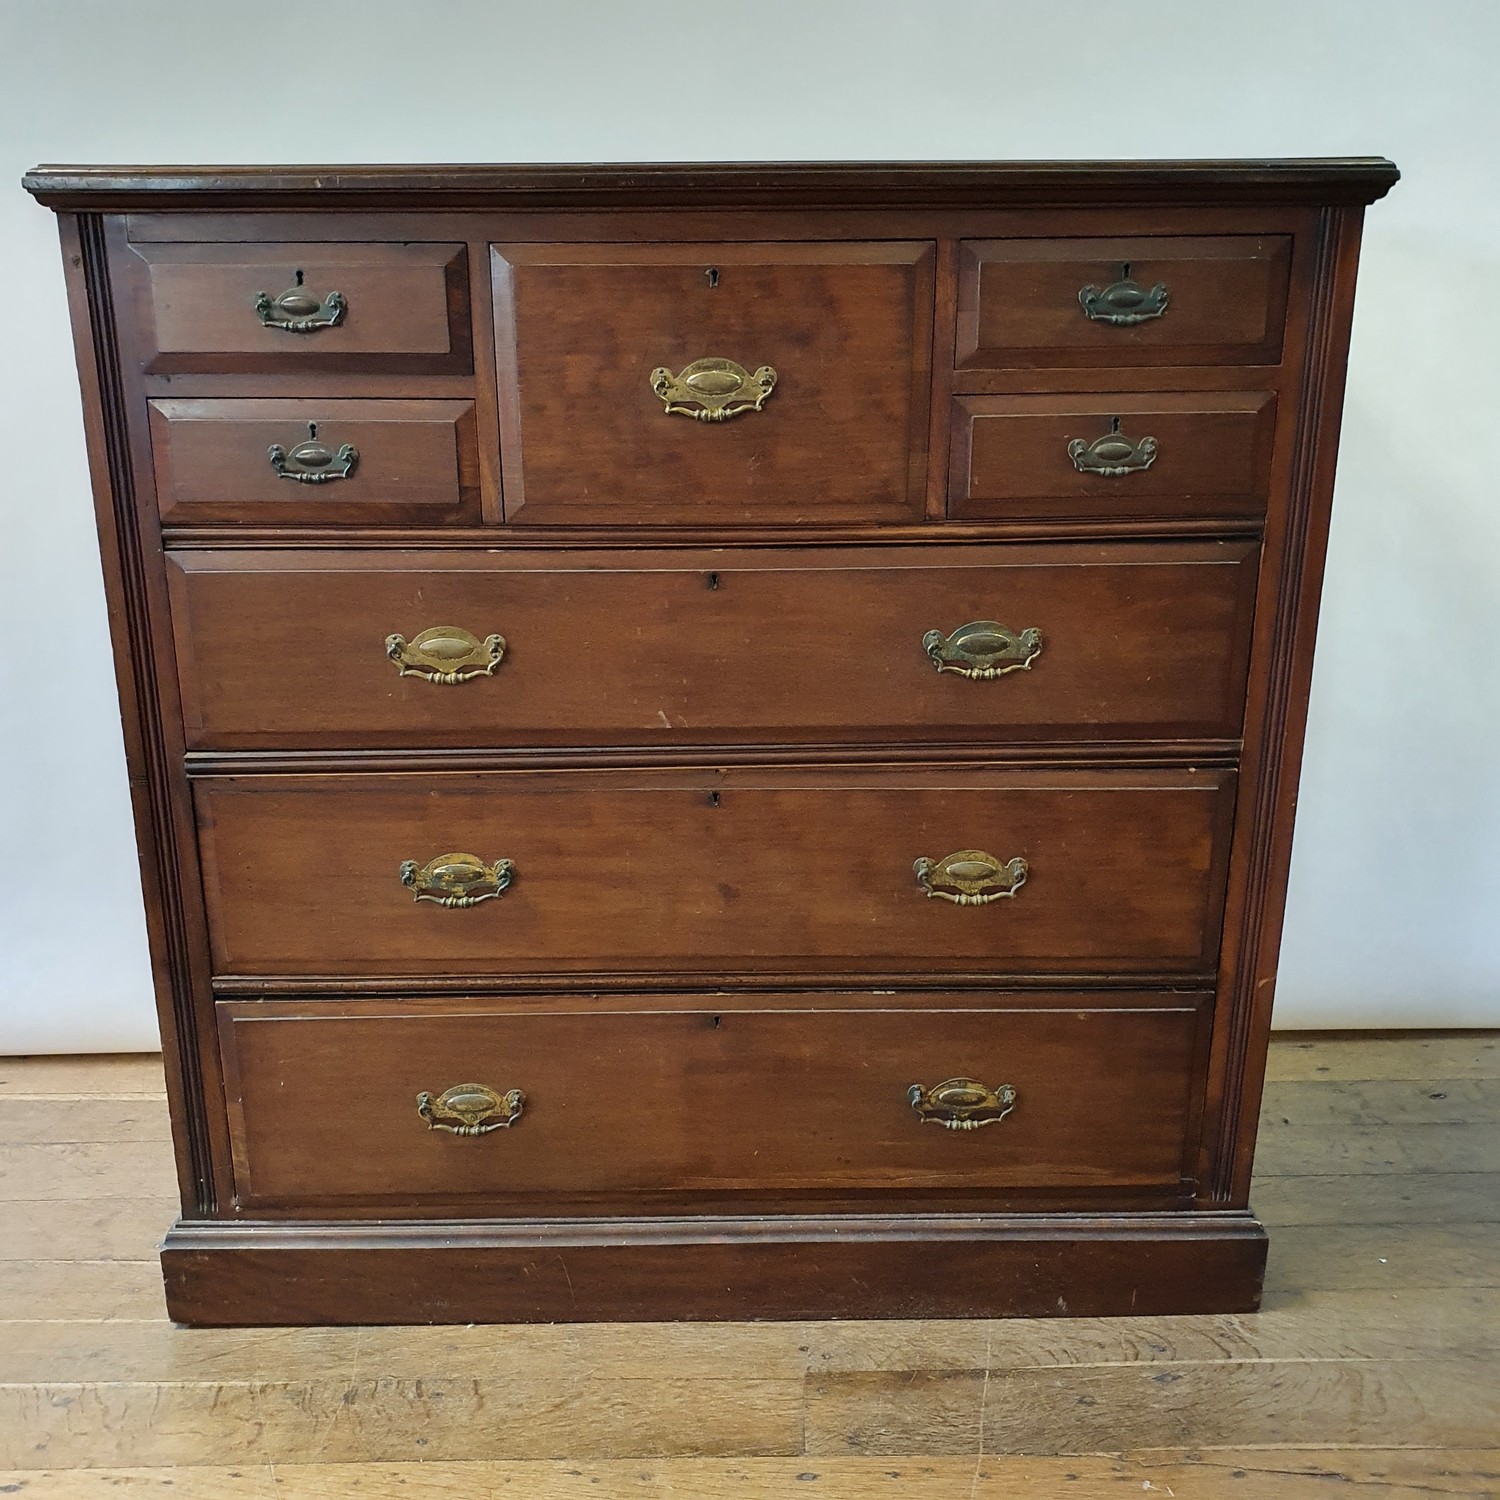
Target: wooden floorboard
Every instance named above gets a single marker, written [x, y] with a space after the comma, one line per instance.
[1374, 1368]
[1253, 1474]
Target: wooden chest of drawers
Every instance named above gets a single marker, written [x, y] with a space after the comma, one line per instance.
[713, 741]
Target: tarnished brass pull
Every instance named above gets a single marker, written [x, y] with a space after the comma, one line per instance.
[457, 880]
[1124, 302]
[962, 1103]
[312, 463]
[471, 1109]
[971, 877]
[297, 310]
[445, 654]
[1113, 453]
[983, 649]
[713, 390]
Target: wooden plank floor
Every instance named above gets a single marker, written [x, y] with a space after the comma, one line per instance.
[1374, 1369]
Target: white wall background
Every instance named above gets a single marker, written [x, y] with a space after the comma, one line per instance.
[1394, 916]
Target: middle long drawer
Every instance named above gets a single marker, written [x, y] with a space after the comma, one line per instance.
[829, 645]
[787, 870]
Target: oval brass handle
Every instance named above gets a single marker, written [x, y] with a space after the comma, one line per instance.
[962, 1103]
[445, 654]
[971, 877]
[713, 390]
[1112, 454]
[1124, 302]
[457, 880]
[471, 1109]
[297, 310]
[312, 463]
[983, 649]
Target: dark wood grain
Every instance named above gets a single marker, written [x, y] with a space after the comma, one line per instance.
[715, 870]
[1115, 184]
[1213, 457]
[789, 1267]
[407, 307]
[418, 462]
[677, 648]
[842, 437]
[707, 750]
[1018, 301]
[621, 1105]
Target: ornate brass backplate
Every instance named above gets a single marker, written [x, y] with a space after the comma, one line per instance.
[962, 1103]
[296, 310]
[312, 463]
[983, 649]
[971, 877]
[445, 654]
[457, 880]
[713, 390]
[1112, 454]
[1124, 302]
[471, 1109]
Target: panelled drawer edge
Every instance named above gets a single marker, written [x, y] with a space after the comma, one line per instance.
[327, 1101]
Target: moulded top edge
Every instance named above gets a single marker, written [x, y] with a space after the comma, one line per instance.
[1311, 180]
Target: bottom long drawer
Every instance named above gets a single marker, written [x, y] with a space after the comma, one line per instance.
[416, 1105]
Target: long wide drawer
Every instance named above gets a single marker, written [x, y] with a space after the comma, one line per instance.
[847, 645]
[401, 1103]
[778, 871]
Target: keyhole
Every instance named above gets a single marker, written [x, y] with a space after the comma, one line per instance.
[1114, 426]
[713, 276]
[717, 1022]
[713, 799]
[1125, 270]
[713, 580]
[299, 277]
[312, 429]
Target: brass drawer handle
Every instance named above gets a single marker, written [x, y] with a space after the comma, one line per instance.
[971, 877]
[962, 1103]
[713, 390]
[297, 310]
[471, 1109]
[1112, 454]
[457, 880]
[445, 654]
[311, 462]
[983, 649]
[1124, 302]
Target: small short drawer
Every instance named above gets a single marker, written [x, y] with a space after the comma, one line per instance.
[392, 309]
[349, 1103]
[704, 384]
[315, 462]
[1169, 300]
[783, 870]
[1112, 456]
[342, 649]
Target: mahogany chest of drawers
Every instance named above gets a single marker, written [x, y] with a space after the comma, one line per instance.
[713, 741]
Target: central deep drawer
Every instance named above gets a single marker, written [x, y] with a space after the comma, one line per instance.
[828, 645]
[326, 1098]
[777, 870]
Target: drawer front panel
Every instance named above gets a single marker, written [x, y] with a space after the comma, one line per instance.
[772, 871]
[1112, 456]
[607, 415]
[324, 1100]
[217, 308]
[289, 650]
[315, 462]
[1167, 300]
